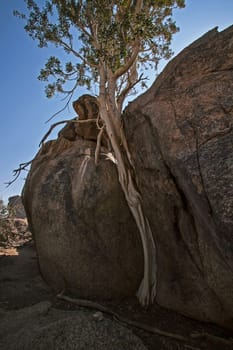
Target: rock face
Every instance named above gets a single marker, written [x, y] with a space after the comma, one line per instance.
[16, 208]
[86, 239]
[87, 109]
[181, 138]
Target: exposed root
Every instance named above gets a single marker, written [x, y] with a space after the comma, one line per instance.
[128, 182]
[98, 145]
[146, 292]
[147, 289]
[96, 306]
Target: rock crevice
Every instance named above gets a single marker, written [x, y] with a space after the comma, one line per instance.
[192, 133]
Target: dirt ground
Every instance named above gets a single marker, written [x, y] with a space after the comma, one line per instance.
[21, 285]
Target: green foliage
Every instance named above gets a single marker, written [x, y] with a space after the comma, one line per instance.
[126, 36]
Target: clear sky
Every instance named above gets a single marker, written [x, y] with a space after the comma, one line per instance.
[24, 107]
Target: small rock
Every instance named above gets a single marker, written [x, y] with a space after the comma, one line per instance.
[98, 316]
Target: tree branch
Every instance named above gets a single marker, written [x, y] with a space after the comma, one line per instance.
[125, 91]
[76, 54]
[51, 129]
[123, 69]
[138, 6]
[17, 172]
[63, 122]
[70, 94]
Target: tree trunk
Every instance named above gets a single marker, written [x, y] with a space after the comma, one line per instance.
[147, 289]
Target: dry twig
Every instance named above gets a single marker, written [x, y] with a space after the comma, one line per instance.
[62, 122]
[17, 172]
[51, 129]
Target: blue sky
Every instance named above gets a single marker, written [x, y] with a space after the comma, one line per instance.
[24, 107]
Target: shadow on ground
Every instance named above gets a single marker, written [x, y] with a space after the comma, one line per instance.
[30, 311]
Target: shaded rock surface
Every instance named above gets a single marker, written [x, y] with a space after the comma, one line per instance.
[181, 138]
[20, 280]
[86, 239]
[29, 310]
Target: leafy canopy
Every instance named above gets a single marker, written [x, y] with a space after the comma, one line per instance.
[125, 36]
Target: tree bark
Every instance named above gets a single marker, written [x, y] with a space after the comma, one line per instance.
[126, 174]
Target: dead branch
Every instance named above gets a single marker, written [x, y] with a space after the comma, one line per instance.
[70, 95]
[84, 120]
[62, 122]
[17, 172]
[51, 129]
[130, 85]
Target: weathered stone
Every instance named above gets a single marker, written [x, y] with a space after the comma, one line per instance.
[87, 124]
[86, 239]
[87, 109]
[16, 208]
[181, 138]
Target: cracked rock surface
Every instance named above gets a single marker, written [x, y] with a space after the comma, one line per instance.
[181, 138]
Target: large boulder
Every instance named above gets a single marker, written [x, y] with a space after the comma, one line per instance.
[86, 240]
[181, 138]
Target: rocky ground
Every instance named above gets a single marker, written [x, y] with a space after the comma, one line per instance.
[13, 233]
[31, 315]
